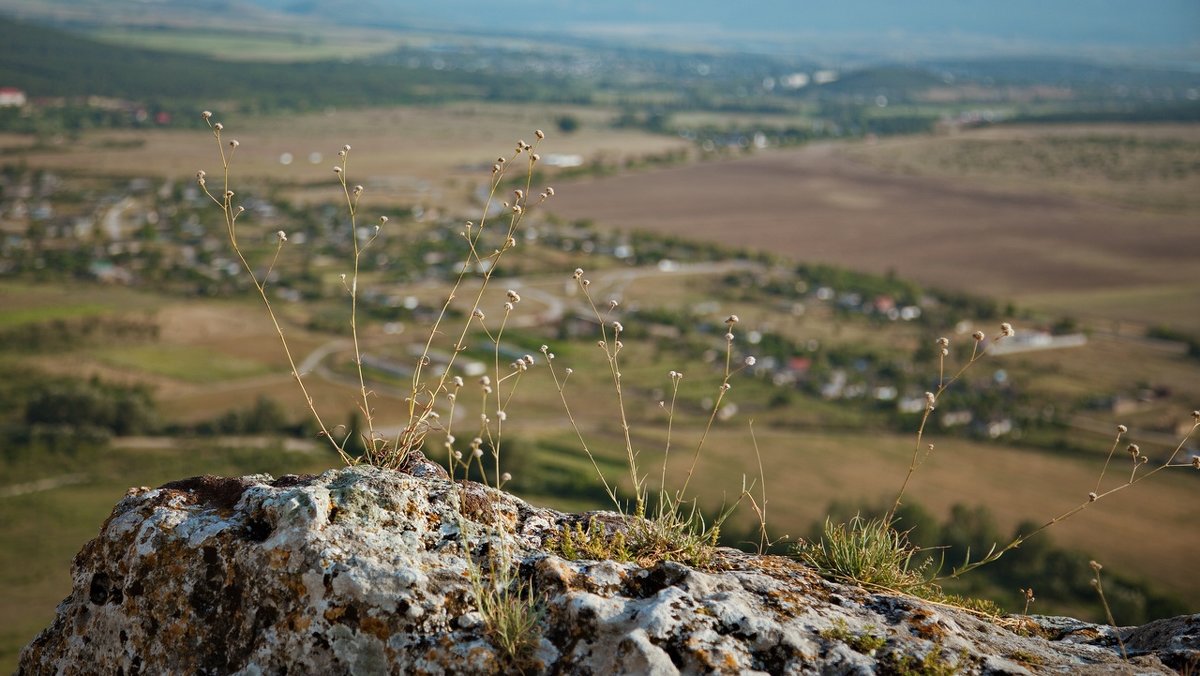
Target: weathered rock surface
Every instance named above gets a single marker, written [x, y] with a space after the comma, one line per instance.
[365, 571]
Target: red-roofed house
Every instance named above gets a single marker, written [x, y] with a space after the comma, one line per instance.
[11, 97]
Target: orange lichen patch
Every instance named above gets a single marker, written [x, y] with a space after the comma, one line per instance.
[376, 627]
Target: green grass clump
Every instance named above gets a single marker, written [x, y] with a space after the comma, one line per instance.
[867, 551]
[866, 643]
[510, 610]
[576, 542]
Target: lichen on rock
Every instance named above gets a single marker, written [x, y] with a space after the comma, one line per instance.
[362, 571]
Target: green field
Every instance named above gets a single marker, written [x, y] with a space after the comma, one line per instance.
[187, 363]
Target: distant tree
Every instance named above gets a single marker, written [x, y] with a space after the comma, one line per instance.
[567, 124]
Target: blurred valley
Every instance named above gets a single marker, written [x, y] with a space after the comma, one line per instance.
[850, 200]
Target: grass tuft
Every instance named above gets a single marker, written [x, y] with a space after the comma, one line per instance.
[867, 551]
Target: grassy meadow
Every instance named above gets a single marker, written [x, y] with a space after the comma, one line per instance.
[1094, 246]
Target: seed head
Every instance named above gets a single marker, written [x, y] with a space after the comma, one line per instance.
[729, 337]
[519, 194]
[484, 380]
[731, 320]
[358, 190]
[206, 114]
[501, 416]
[1196, 415]
[569, 370]
[978, 336]
[1092, 497]
[346, 148]
[725, 387]
[508, 307]
[521, 145]
[539, 133]
[517, 208]
[457, 381]
[577, 274]
[1006, 330]
[282, 236]
[478, 452]
[618, 327]
[535, 157]
[751, 361]
[1133, 450]
[337, 170]
[544, 349]
[458, 455]
[1095, 566]
[238, 211]
[505, 478]
[228, 194]
[943, 342]
[1121, 429]
[383, 220]
[1196, 461]
[234, 143]
[930, 400]
[477, 314]
[550, 191]
[218, 126]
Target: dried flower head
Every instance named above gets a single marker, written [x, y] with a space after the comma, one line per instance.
[618, 327]
[1196, 461]
[234, 143]
[505, 478]
[1121, 429]
[206, 114]
[282, 236]
[729, 337]
[577, 274]
[731, 320]
[550, 191]
[1133, 450]
[1006, 330]
[1092, 497]
[538, 133]
[519, 194]
[383, 220]
[358, 190]
[751, 361]
[457, 381]
[346, 148]
[228, 194]
[1095, 566]
[477, 314]
[1196, 415]
[978, 335]
[943, 342]
[535, 157]
[337, 170]
[930, 400]
[218, 126]
[725, 387]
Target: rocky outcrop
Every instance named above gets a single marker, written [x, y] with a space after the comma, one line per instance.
[364, 571]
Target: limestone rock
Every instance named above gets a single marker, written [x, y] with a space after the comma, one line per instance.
[365, 571]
